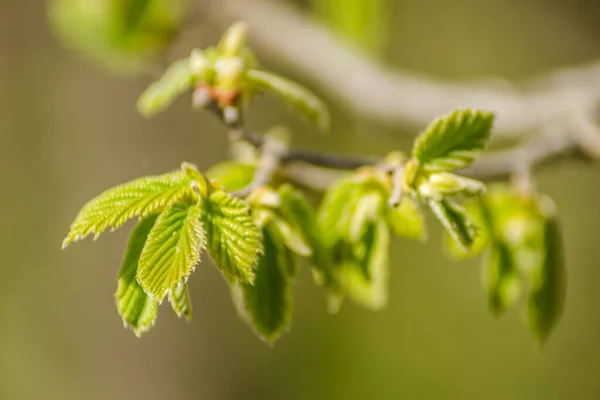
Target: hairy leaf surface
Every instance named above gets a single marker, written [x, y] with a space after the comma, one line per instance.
[453, 141]
[135, 307]
[138, 198]
[234, 240]
[180, 300]
[172, 250]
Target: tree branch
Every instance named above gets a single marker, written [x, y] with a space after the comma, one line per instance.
[372, 90]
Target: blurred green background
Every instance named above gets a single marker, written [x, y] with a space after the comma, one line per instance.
[69, 129]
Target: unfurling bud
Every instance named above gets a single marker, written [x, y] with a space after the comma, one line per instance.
[233, 40]
[201, 67]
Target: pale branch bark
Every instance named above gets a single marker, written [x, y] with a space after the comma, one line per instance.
[573, 139]
[393, 96]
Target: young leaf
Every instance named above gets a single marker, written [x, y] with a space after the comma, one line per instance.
[502, 278]
[300, 212]
[292, 238]
[177, 79]
[233, 175]
[172, 250]
[234, 240]
[135, 307]
[367, 209]
[292, 93]
[548, 282]
[407, 220]
[138, 198]
[501, 273]
[179, 297]
[456, 221]
[369, 291]
[335, 211]
[453, 141]
[267, 304]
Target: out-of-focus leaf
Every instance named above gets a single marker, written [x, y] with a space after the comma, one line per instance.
[267, 303]
[124, 35]
[300, 212]
[135, 307]
[548, 281]
[177, 79]
[369, 291]
[172, 250]
[501, 278]
[335, 210]
[407, 220]
[456, 221]
[233, 175]
[297, 96]
[453, 141]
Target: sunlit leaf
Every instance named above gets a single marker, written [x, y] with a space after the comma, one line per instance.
[300, 212]
[179, 298]
[548, 281]
[335, 211]
[233, 175]
[267, 304]
[453, 141]
[135, 307]
[172, 250]
[502, 278]
[234, 240]
[297, 96]
[138, 198]
[456, 221]
[407, 220]
[369, 291]
[177, 79]
[501, 273]
[368, 208]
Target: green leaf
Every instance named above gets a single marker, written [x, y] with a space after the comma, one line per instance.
[336, 210]
[267, 304]
[172, 250]
[367, 209]
[138, 198]
[177, 79]
[233, 175]
[292, 238]
[453, 141]
[300, 212]
[179, 297]
[297, 96]
[548, 281]
[456, 221]
[370, 291]
[502, 278]
[234, 240]
[135, 307]
[482, 239]
[407, 220]
[501, 272]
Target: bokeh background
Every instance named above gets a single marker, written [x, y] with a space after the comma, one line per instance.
[69, 129]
